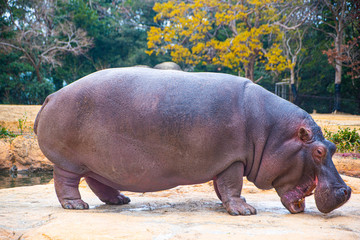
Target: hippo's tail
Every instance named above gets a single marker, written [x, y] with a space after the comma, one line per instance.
[38, 115]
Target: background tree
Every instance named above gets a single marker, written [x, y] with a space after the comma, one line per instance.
[335, 16]
[296, 19]
[233, 34]
[31, 28]
[118, 29]
[292, 45]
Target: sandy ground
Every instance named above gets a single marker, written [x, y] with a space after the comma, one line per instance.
[185, 212]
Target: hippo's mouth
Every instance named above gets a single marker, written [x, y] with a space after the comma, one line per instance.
[294, 200]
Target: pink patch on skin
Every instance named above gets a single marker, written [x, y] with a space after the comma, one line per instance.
[295, 200]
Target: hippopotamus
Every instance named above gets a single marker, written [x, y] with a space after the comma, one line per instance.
[144, 130]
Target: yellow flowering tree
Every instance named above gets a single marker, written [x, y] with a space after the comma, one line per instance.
[234, 34]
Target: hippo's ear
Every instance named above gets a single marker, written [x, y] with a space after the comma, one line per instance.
[305, 134]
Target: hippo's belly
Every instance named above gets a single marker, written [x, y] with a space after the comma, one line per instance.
[132, 165]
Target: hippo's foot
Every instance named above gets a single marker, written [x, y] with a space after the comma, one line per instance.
[238, 206]
[74, 204]
[66, 187]
[106, 193]
[119, 200]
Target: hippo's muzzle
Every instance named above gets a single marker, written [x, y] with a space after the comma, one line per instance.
[331, 191]
[329, 198]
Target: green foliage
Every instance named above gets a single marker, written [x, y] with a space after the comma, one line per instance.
[23, 88]
[345, 139]
[316, 73]
[22, 123]
[5, 133]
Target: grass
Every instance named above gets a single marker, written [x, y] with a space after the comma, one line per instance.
[5, 133]
[345, 139]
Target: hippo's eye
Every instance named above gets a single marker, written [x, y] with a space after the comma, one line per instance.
[319, 154]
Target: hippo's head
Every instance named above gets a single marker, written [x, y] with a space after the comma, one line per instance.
[306, 165]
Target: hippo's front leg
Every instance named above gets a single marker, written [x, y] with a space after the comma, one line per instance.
[229, 184]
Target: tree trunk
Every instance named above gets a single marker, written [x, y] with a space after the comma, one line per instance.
[358, 98]
[294, 93]
[33, 63]
[338, 70]
[338, 67]
[249, 68]
[292, 74]
[38, 75]
[292, 82]
[337, 98]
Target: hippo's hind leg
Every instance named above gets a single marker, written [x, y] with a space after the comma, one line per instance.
[228, 185]
[106, 193]
[67, 189]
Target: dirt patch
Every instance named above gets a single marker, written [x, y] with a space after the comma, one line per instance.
[347, 165]
[332, 122]
[10, 115]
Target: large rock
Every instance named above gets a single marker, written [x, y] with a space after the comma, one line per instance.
[168, 66]
[27, 154]
[5, 155]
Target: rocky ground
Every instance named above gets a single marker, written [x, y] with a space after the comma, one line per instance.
[185, 212]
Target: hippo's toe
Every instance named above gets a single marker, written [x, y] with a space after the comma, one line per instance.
[239, 207]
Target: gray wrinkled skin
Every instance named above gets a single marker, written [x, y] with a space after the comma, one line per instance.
[141, 130]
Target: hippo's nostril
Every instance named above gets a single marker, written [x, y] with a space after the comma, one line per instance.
[343, 192]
